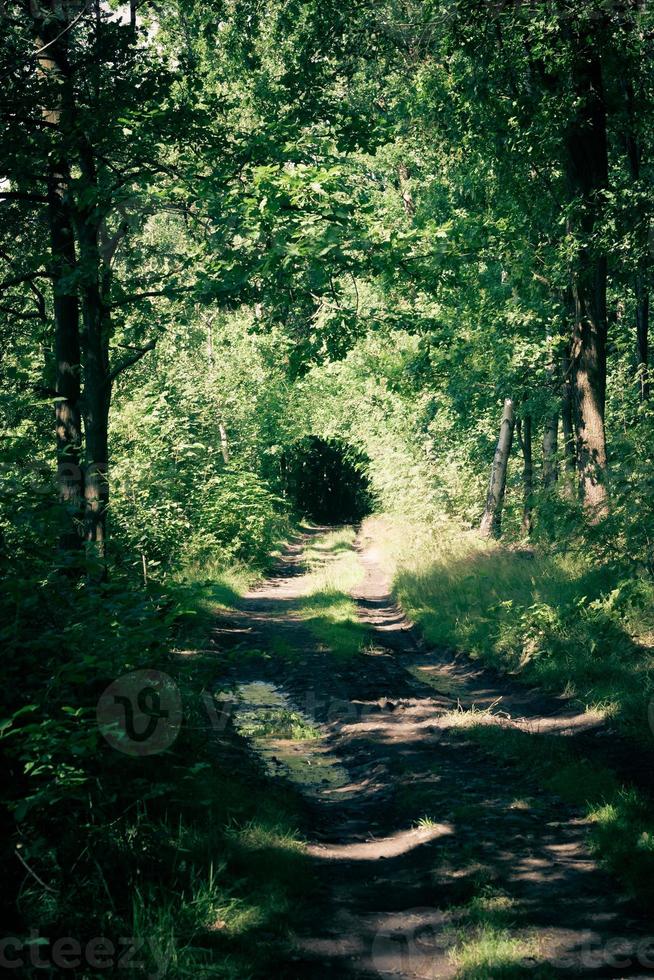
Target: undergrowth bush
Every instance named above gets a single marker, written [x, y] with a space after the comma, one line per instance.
[97, 841]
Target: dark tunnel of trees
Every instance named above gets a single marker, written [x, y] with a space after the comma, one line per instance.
[326, 481]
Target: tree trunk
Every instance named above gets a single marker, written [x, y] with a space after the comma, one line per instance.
[67, 356]
[550, 472]
[53, 64]
[567, 422]
[405, 192]
[210, 355]
[92, 286]
[642, 335]
[96, 482]
[550, 451]
[97, 392]
[224, 443]
[587, 172]
[589, 381]
[95, 281]
[491, 522]
[523, 429]
[634, 152]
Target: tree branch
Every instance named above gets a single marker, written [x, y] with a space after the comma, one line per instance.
[19, 314]
[110, 245]
[20, 196]
[139, 352]
[17, 280]
[168, 293]
[39, 299]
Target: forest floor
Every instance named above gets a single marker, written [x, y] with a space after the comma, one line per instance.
[435, 847]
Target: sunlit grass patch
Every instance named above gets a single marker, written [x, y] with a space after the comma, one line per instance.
[228, 582]
[623, 835]
[491, 952]
[332, 565]
[560, 619]
[326, 606]
[329, 604]
[259, 835]
[426, 823]
[278, 723]
[331, 542]
[488, 944]
[336, 626]
[439, 679]
[472, 717]
[203, 594]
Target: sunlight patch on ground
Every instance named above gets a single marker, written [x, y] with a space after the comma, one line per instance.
[333, 571]
[402, 842]
[438, 678]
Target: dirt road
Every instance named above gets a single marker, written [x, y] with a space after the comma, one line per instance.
[433, 858]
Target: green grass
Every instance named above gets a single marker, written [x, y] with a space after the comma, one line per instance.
[426, 823]
[331, 562]
[211, 860]
[333, 570]
[218, 856]
[232, 875]
[278, 723]
[491, 952]
[558, 620]
[486, 942]
[281, 648]
[236, 867]
[202, 593]
[332, 618]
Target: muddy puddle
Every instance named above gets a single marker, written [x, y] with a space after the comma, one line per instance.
[285, 739]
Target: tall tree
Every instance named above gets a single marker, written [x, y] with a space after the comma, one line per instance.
[491, 522]
[52, 40]
[90, 131]
[587, 180]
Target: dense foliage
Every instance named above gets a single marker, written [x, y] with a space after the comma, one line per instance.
[237, 231]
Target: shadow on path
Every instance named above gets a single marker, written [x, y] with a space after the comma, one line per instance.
[433, 842]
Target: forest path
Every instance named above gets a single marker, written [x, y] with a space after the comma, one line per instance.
[421, 840]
